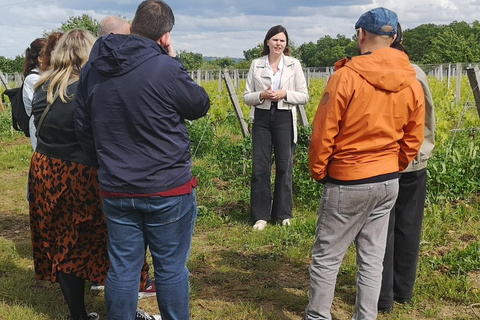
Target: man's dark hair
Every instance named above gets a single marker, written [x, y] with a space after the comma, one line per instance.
[152, 20]
[270, 33]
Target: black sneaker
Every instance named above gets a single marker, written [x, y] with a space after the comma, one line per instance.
[142, 315]
[385, 310]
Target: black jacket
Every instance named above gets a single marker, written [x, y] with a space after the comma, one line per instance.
[131, 103]
[57, 136]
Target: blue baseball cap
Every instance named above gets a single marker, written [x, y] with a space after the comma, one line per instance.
[379, 21]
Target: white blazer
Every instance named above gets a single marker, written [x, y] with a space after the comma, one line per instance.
[292, 81]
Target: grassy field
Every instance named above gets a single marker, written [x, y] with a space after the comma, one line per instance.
[237, 273]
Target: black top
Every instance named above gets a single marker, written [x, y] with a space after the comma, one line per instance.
[57, 137]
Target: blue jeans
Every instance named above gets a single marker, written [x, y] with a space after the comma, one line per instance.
[350, 213]
[165, 224]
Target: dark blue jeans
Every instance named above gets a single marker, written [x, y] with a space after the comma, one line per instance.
[272, 128]
[165, 224]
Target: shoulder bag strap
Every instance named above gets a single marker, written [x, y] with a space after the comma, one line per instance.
[42, 118]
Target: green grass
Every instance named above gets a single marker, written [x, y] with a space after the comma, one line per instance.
[237, 273]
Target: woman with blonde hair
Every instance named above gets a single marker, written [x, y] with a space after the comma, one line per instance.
[67, 226]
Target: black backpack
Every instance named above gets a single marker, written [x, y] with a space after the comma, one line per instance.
[20, 118]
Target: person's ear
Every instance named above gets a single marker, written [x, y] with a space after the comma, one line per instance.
[395, 37]
[164, 40]
[361, 35]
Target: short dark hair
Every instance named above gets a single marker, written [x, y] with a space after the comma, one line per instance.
[270, 33]
[152, 20]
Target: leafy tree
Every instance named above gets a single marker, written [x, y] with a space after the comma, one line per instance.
[253, 53]
[191, 61]
[308, 54]
[450, 46]
[11, 65]
[244, 64]
[224, 62]
[326, 51]
[456, 42]
[84, 22]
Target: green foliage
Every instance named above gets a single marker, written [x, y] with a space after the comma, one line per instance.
[84, 22]
[326, 51]
[202, 136]
[224, 62]
[461, 261]
[191, 61]
[454, 170]
[11, 65]
[307, 192]
[456, 42]
[253, 53]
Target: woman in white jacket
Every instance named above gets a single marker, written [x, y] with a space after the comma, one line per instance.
[275, 85]
[31, 73]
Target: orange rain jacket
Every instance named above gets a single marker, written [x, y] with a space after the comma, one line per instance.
[370, 119]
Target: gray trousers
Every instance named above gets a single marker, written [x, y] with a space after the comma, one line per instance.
[347, 213]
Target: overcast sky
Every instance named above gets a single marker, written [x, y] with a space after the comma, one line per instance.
[225, 27]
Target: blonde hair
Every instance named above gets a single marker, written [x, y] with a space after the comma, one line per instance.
[68, 57]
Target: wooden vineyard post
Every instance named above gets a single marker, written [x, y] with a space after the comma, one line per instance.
[474, 78]
[458, 82]
[302, 115]
[236, 104]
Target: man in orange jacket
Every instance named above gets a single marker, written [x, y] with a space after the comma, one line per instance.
[368, 127]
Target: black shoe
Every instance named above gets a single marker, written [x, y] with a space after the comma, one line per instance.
[142, 315]
[385, 310]
[402, 300]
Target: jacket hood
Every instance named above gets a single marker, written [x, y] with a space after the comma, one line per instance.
[117, 54]
[387, 69]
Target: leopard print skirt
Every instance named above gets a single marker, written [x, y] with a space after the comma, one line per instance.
[68, 228]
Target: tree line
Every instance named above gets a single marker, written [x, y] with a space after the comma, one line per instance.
[425, 44]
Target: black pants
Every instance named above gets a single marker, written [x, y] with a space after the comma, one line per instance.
[403, 240]
[73, 290]
[271, 128]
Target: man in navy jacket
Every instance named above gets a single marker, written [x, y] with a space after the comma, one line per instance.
[132, 100]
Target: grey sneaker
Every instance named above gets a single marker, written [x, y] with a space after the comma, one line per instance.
[93, 316]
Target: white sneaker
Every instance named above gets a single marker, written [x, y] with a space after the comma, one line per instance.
[260, 225]
[285, 222]
[147, 292]
[97, 287]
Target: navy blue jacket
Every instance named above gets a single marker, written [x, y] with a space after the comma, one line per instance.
[131, 102]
